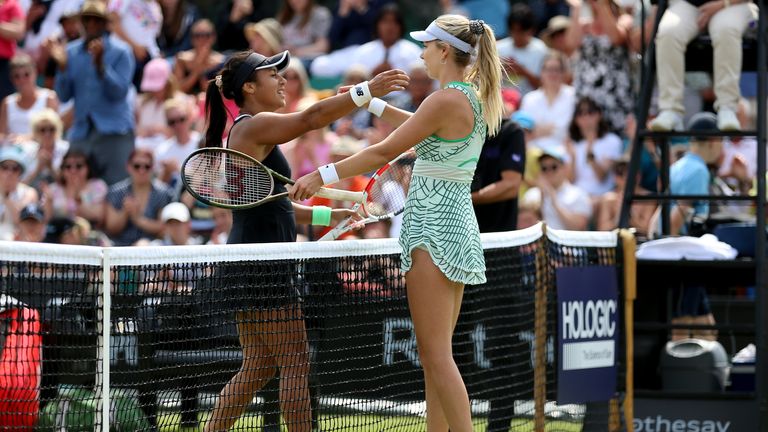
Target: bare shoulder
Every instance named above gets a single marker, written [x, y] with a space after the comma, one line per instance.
[444, 99]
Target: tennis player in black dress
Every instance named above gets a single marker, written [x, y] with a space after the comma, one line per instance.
[267, 305]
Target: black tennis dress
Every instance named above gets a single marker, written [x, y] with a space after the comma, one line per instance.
[261, 285]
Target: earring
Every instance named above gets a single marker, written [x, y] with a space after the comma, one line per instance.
[444, 61]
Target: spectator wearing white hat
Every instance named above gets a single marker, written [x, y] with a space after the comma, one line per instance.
[176, 226]
[563, 205]
[14, 195]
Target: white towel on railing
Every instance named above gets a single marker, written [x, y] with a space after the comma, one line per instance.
[704, 248]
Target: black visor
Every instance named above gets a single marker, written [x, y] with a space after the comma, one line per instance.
[256, 61]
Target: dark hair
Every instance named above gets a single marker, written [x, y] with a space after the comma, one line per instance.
[77, 154]
[287, 13]
[393, 9]
[215, 111]
[522, 15]
[602, 126]
[139, 151]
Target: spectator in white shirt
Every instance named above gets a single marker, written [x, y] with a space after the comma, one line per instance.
[563, 205]
[388, 51]
[137, 23]
[592, 149]
[523, 54]
[551, 105]
[183, 141]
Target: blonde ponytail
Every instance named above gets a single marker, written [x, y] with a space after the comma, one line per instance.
[486, 72]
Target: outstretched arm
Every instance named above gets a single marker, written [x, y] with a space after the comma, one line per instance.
[429, 119]
[269, 128]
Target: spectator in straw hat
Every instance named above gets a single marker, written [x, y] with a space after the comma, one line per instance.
[96, 72]
[265, 37]
[554, 34]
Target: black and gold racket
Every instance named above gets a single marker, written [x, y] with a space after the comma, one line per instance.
[227, 178]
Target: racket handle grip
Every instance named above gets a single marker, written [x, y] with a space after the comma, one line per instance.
[341, 195]
[336, 231]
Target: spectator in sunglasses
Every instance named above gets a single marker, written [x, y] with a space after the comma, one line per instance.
[592, 149]
[17, 109]
[14, 195]
[76, 192]
[563, 205]
[134, 203]
[191, 66]
[183, 141]
[45, 150]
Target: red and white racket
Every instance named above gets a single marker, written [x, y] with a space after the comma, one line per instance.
[383, 196]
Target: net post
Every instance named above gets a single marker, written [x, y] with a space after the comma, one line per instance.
[540, 334]
[628, 244]
[103, 346]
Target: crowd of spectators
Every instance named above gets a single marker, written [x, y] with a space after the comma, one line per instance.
[102, 100]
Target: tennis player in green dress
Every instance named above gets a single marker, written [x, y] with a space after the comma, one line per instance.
[440, 238]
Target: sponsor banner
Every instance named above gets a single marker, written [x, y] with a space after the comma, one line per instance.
[694, 415]
[587, 304]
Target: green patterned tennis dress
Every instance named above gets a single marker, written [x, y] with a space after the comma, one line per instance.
[438, 214]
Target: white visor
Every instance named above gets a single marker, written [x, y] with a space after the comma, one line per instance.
[434, 32]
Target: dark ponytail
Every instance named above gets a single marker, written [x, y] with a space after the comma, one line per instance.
[222, 86]
[216, 114]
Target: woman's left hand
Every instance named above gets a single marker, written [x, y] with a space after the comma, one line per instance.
[340, 214]
[306, 186]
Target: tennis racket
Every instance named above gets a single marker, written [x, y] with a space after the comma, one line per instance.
[227, 178]
[384, 196]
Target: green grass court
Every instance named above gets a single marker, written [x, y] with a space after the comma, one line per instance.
[362, 423]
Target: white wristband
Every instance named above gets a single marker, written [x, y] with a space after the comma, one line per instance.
[360, 93]
[328, 173]
[376, 107]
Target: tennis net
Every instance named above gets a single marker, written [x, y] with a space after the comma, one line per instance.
[172, 341]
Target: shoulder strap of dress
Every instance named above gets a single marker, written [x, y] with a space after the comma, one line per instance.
[471, 94]
[240, 117]
[237, 119]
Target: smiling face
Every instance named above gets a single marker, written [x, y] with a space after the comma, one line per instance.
[268, 89]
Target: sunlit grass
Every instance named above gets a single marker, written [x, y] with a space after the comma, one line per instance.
[169, 422]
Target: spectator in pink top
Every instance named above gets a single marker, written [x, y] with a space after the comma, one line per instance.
[11, 32]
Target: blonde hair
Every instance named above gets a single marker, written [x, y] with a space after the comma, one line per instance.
[176, 103]
[296, 66]
[47, 115]
[486, 72]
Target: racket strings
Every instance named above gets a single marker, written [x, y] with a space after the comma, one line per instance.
[227, 179]
[388, 193]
